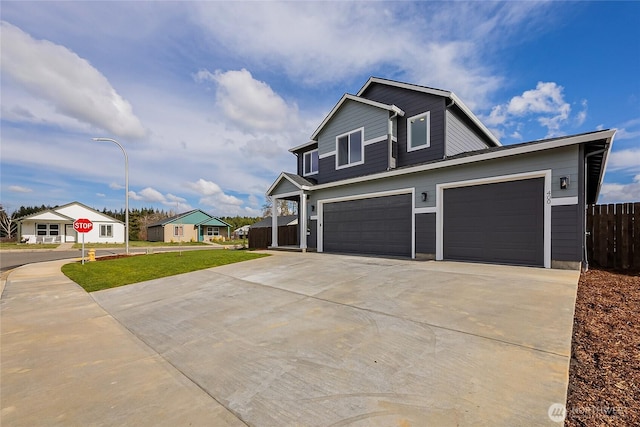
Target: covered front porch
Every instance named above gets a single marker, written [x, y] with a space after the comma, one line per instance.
[291, 188]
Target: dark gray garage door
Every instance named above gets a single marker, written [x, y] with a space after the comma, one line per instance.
[380, 225]
[501, 223]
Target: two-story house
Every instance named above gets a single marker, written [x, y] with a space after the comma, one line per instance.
[406, 170]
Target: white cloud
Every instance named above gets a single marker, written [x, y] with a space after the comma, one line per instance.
[101, 195]
[152, 195]
[320, 45]
[629, 129]
[251, 104]
[624, 159]
[19, 189]
[213, 196]
[116, 186]
[545, 103]
[582, 114]
[57, 76]
[620, 193]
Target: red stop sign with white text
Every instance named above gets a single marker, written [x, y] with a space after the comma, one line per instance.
[82, 225]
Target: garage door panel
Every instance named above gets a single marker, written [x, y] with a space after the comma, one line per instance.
[501, 222]
[380, 225]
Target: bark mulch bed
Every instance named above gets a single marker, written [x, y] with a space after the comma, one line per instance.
[604, 375]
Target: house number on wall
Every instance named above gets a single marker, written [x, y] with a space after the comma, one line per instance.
[549, 197]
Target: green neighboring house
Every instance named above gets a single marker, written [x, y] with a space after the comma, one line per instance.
[195, 225]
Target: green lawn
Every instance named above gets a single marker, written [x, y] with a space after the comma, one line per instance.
[98, 275]
[136, 244]
[14, 245]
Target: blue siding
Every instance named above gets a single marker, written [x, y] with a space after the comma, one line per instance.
[413, 103]
[426, 233]
[566, 236]
[375, 160]
[460, 138]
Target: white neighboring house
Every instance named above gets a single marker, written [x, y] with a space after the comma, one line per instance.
[56, 226]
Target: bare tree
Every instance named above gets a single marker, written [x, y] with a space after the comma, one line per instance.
[7, 223]
[285, 207]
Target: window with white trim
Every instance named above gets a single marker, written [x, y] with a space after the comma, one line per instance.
[310, 163]
[350, 149]
[106, 230]
[178, 230]
[418, 131]
[47, 229]
[213, 231]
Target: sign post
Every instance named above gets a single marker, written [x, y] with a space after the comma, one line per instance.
[82, 225]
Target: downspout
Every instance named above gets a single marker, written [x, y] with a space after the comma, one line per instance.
[446, 107]
[390, 139]
[586, 232]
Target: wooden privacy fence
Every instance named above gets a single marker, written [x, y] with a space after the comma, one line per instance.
[260, 238]
[614, 235]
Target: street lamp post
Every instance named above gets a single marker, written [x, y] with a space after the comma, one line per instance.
[126, 191]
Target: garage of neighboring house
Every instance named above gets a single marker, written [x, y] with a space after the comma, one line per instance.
[378, 226]
[500, 222]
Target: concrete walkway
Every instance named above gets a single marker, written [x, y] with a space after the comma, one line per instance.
[65, 361]
[292, 339]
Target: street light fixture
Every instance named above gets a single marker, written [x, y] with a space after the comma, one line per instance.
[126, 191]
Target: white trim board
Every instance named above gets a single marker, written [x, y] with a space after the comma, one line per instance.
[564, 201]
[546, 174]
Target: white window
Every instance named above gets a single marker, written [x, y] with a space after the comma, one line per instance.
[310, 163]
[177, 230]
[47, 229]
[418, 132]
[213, 231]
[349, 149]
[106, 230]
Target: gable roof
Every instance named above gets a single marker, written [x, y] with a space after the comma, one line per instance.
[282, 221]
[300, 182]
[48, 215]
[438, 92]
[62, 217]
[303, 146]
[175, 218]
[215, 222]
[347, 97]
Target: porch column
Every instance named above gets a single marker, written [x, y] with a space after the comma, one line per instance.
[303, 222]
[274, 223]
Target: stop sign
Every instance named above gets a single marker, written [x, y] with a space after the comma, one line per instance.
[82, 225]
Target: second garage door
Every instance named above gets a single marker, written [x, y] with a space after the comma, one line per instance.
[380, 226]
[501, 223]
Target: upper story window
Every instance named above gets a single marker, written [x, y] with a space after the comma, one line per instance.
[310, 163]
[418, 131]
[349, 149]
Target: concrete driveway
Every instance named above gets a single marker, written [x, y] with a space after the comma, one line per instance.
[332, 340]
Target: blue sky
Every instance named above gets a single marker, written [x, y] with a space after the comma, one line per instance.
[207, 97]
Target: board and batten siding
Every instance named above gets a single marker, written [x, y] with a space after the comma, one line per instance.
[461, 139]
[426, 234]
[375, 160]
[413, 103]
[566, 234]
